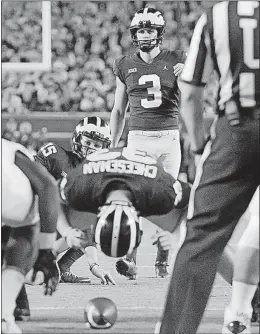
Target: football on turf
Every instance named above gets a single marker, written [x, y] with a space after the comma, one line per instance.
[100, 313]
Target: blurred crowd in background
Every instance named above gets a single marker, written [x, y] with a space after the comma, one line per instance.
[23, 133]
[86, 38]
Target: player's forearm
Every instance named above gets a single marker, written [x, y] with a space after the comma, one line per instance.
[117, 123]
[44, 186]
[194, 123]
[62, 223]
[48, 207]
[192, 114]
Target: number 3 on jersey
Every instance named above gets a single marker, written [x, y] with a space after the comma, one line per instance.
[155, 90]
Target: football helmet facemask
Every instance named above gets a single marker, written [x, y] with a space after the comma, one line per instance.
[147, 18]
[118, 230]
[90, 135]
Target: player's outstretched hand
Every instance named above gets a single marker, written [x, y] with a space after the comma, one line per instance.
[165, 238]
[76, 238]
[105, 276]
[46, 263]
[177, 69]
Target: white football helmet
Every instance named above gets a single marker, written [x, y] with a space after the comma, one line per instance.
[147, 18]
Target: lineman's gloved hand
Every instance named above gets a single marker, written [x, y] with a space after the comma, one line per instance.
[46, 263]
[105, 276]
[76, 238]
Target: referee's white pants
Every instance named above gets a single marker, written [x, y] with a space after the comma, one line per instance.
[163, 145]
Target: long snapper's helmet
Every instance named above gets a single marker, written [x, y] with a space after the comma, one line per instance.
[119, 229]
[147, 18]
[91, 134]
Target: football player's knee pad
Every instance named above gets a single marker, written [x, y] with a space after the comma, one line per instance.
[22, 248]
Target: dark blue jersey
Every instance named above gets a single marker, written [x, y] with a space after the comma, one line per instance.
[57, 160]
[152, 89]
[152, 190]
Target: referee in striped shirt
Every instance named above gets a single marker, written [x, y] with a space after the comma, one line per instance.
[225, 40]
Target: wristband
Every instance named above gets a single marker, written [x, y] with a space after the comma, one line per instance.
[93, 265]
[47, 240]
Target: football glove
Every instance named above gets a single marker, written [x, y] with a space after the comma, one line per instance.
[46, 263]
[126, 267]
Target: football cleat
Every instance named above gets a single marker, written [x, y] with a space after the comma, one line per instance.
[69, 277]
[236, 323]
[100, 313]
[22, 313]
[22, 309]
[161, 269]
[9, 326]
[127, 268]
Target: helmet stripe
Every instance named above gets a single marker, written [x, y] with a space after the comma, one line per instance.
[116, 230]
[98, 122]
[85, 121]
[132, 233]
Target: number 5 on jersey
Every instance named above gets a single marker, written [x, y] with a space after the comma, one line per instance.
[155, 90]
[48, 149]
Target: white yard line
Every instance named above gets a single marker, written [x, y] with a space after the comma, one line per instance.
[51, 308]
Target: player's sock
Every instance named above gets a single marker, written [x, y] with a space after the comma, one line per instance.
[12, 282]
[67, 260]
[242, 295]
[162, 255]
[22, 299]
[132, 256]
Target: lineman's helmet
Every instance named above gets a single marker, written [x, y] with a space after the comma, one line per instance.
[118, 230]
[147, 18]
[100, 313]
[91, 134]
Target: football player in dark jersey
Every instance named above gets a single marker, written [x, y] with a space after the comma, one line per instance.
[90, 135]
[120, 185]
[148, 81]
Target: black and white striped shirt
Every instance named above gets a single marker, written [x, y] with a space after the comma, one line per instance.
[226, 39]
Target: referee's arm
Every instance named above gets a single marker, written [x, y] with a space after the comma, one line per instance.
[195, 74]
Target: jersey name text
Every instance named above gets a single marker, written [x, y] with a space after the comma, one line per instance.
[120, 166]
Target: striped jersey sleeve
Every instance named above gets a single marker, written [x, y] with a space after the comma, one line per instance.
[198, 65]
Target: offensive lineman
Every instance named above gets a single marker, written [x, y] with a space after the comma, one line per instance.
[29, 194]
[148, 81]
[121, 185]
